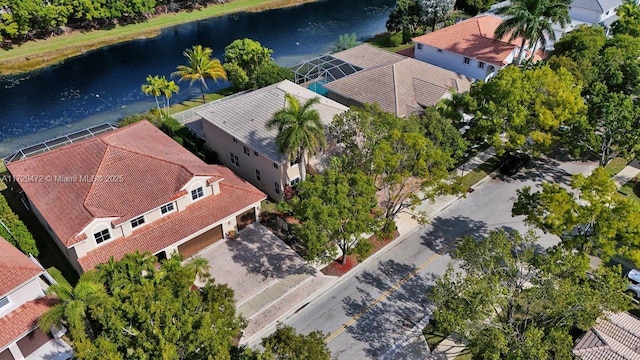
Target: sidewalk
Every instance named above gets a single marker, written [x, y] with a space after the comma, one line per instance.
[264, 312]
[628, 173]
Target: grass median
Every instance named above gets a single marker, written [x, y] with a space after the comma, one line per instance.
[38, 54]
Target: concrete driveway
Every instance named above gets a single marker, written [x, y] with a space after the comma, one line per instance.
[252, 262]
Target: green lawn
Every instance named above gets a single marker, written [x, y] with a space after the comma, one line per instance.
[38, 54]
[432, 337]
[382, 41]
[480, 172]
[57, 276]
[615, 166]
[631, 189]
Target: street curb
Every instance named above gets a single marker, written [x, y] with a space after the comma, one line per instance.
[419, 326]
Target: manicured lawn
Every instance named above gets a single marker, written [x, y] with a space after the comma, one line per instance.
[464, 355]
[615, 166]
[188, 104]
[57, 276]
[38, 54]
[432, 337]
[382, 41]
[631, 189]
[480, 172]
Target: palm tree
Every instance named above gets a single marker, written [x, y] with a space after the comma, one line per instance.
[200, 268]
[200, 68]
[532, 20]
[299, 130]
[71, 311]
[168, 89]
[153, 87]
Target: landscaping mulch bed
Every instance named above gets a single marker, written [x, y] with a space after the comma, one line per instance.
[336, 268]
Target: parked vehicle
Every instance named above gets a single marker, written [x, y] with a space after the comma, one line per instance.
[514, 163]
[634, 283]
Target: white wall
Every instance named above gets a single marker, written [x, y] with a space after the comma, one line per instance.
[26, 292]
[222, 143]
[452, 61]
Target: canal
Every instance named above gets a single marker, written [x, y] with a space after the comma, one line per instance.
[104, 85]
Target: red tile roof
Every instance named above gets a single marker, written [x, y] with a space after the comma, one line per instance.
[474, 38]
[141, 168]
[15, 268]
[23, 319]
[235, 195]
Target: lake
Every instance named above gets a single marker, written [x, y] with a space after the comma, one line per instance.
[104, 85]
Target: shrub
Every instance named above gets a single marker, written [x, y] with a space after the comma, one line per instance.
[14, 230]
[271, 73]
[395, 39]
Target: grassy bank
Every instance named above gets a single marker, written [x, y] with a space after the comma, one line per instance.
[35, 55]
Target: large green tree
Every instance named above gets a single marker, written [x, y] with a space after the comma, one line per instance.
[250, 66]
[577, 51]
[513, 302]
[532, 20]
[335, 208]
[628, 22]
[435, 11]
[286, 344]
[444, 135]
[406, 166]
[525, 109]
[593, 218]
[200, 67]
[300, 130]
[406, 17]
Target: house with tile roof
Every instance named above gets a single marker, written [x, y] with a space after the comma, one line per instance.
[614, 337]
[469, 48]
[23, 283]
[133, 189]
[400, 85]
[236, 130]
[594, 11]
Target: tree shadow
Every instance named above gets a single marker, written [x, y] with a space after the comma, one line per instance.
[442, 232]
[388, 321]
[260, 252]
[543, 169]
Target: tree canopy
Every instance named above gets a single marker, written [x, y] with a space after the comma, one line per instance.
[628, 22]
[407, 17]
[524, 109]
[249, 65]
[512, 302]
[335, 209]
[592, 218]
[406, 166]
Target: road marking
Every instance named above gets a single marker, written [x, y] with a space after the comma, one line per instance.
[355, 318]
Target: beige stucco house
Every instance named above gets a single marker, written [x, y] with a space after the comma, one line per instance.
[133, 189]
[236, 130]
[23, 283]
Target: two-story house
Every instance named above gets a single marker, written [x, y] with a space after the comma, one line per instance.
[23, 283]
[236, 130]
[594, 11]
[470, 48]
[133, 189]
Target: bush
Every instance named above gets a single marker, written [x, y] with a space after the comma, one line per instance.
[271, 73]
[345, 41]
[395, 39]
[14, 230]
[362, 249]
[150, 116]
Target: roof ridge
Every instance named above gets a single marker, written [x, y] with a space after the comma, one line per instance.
[84, 202]
[396, 102]
[616, 346]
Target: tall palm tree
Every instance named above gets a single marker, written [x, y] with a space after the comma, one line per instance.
[532, 20]
[200, 68]
[153, 87]
[168, 89]
[299, 130]
[71, 311]
[200, 268]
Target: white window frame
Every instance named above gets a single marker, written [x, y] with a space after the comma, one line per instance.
[234, 159]
[164, 209]
[247, 151]
[277, 187]
[294, 161]
[481, 64]
[258, 177]
[137, 222]
[276, 166]
[197, 193]
[100, 232]
[466, 60]
[294, 182]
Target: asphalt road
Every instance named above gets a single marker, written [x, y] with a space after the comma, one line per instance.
[372, 308]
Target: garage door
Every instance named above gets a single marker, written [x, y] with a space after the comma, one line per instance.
[200, 242]
[32, 342]
[245, 219]
[6, 355]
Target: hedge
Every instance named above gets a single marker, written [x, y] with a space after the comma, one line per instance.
[18, 234]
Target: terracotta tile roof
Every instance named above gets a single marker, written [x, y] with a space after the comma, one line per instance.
[474, 38]
[367, 56]
[235, 194]
[15, 268]
[23, 319]
[402, 88]
[614, 338]
[152, 168]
